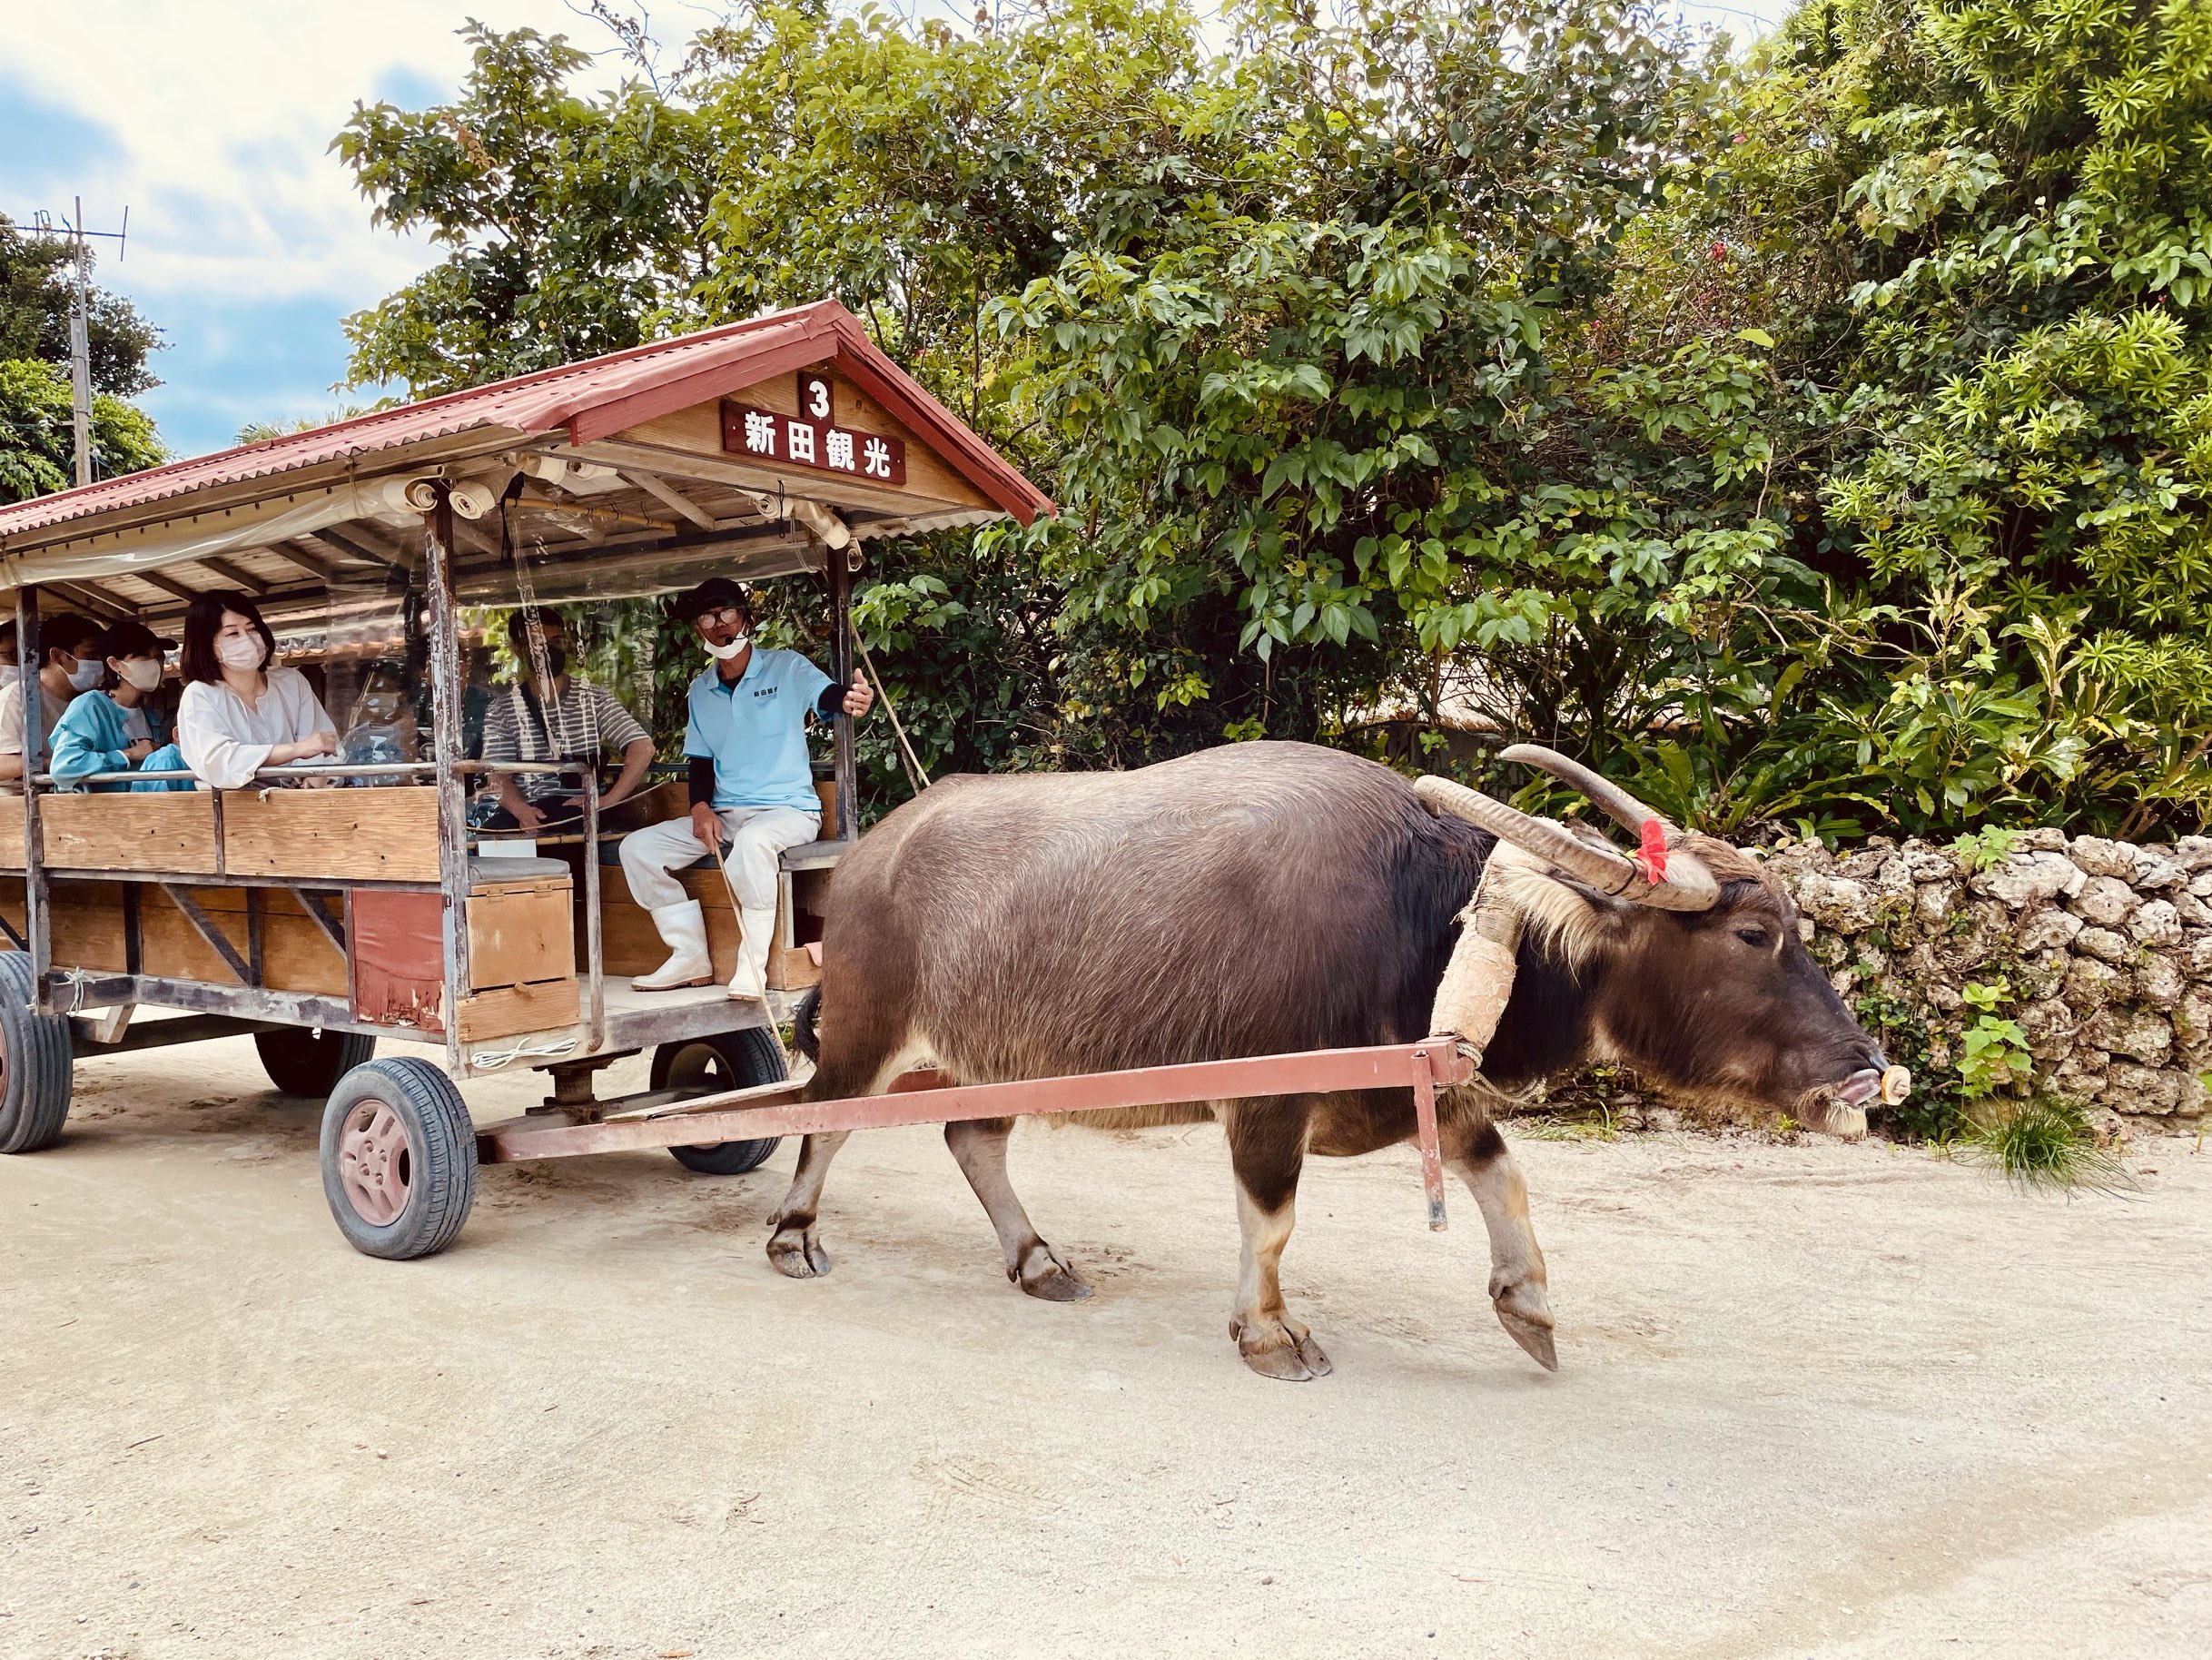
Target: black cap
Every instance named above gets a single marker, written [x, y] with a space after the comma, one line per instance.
[132, 639]
[711, 595]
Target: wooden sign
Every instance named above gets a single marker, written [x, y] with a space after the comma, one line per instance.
[811, 438]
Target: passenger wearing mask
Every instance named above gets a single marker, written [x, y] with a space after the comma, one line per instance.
[580, 722]
[752, 787]
[241, 710]
[107, 730]
[71, 647]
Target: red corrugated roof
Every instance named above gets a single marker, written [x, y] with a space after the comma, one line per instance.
[593, 398]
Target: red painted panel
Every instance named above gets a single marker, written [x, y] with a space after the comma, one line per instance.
[399, 959]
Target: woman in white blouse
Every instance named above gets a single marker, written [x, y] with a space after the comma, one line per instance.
[241, 711]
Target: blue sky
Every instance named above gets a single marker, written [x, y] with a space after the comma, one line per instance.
[211, 122]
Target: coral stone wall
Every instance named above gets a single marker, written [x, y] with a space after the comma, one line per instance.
[2107, 948]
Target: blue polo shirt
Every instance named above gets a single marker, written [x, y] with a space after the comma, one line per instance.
[755, 730]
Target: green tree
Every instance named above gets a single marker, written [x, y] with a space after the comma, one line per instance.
[571, 227]
[38, 433]
[983, 202]
[1814, 436]
[38, 286]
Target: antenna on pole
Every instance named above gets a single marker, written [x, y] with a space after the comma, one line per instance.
[80, 320]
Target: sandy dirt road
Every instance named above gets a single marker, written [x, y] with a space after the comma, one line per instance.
[1815, 1401]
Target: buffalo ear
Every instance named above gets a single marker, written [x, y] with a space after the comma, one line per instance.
[1568, 915]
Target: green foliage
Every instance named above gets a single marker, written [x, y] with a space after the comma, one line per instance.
[1985, 849]
[1818, 438]
[2045, 1144]
[1980, 226]
[1933, 1113]
[37, 434]
[1993, 1051]
[569, 225]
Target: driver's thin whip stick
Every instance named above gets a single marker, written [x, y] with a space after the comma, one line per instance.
[913, 762]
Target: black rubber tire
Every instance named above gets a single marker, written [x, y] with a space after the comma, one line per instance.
[38, 1064]
[738, 1061]
[301, 1060]
[441, 1145]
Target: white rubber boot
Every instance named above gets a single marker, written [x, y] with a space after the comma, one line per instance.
[755, 930]
[684, 927]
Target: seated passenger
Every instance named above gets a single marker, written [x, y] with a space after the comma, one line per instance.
[751, 785]
[106, 730]
[71, 647]
[586, 725]
[241, 712]
[383, 731]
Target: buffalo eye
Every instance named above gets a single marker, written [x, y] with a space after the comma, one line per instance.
[1757, 938]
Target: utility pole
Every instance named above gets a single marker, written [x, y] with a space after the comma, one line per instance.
[80, 324]
[80, 356]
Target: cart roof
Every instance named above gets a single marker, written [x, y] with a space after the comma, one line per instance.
[644, 470]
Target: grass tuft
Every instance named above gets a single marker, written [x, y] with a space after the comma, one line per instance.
[2046, 1145]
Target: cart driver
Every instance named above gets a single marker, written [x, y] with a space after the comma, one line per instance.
[752, 788]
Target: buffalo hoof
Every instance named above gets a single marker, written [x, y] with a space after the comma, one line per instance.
[1278, 1349]
[795, 1251]
[1526, 1316]
[1043, 1274]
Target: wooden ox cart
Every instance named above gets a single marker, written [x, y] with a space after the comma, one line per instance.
[320, 920]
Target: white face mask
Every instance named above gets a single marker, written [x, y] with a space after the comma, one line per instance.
[240, 651]
[86, 673]
[725, 653]
[144, 673]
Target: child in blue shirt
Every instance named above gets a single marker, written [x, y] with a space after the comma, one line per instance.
[111, 730]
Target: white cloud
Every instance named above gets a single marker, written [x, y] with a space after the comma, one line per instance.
[221, 116]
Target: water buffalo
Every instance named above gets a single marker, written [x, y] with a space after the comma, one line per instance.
[1269, 898]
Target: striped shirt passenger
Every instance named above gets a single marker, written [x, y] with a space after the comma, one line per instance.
[585, 724]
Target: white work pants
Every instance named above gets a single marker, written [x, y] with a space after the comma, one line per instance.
[757, 837]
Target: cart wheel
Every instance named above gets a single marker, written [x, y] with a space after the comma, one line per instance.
[398, 1157]
[36, 1063]
[726, 1061]
[301, 1060]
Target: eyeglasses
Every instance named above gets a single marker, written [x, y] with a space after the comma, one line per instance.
[729, 615]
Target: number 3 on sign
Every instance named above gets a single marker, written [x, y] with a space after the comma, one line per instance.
[814, 397]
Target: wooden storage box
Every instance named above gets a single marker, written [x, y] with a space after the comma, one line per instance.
[521, 959]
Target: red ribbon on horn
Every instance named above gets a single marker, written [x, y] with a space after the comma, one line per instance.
[1650, 856]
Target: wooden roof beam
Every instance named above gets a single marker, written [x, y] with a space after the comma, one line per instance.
[355, 541]
[168, 584]
[314, 564]
[666, 493]
[103, 606]
[238, 576]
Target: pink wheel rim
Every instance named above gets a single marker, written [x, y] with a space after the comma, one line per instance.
[374, 1164]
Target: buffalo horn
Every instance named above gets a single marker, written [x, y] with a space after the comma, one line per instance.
[1618, 804]
[1688, 886]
